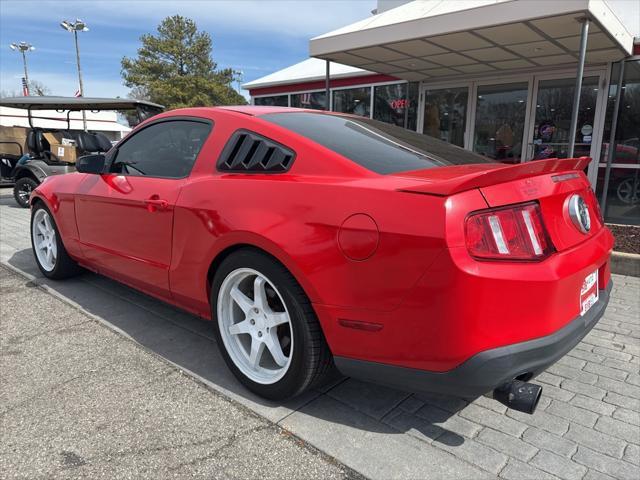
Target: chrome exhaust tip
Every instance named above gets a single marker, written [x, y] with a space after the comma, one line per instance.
[519, 395]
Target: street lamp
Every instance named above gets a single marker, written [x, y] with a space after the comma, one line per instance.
[23, 48]
[75, 27]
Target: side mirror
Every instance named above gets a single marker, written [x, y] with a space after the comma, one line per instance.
[91, 164]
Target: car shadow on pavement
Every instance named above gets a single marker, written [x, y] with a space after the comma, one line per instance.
[9, 202]
[188, 342]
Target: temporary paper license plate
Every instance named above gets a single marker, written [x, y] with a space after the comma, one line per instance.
[589, 292]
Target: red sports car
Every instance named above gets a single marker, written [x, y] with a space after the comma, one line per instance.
[315, 239]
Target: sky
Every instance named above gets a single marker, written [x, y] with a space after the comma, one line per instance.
[256, 37]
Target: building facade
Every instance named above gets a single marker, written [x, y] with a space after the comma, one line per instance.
[494, 76]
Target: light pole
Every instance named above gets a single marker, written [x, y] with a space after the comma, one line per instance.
[239, 74]
[75, 27]
[23, 48]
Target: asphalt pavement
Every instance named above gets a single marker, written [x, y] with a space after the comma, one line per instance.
[80, 401]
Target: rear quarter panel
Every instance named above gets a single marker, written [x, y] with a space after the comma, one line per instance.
[296, 217]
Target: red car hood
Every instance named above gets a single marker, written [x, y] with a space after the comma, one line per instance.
[449, 180]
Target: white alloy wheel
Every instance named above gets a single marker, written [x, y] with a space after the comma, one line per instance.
[44, 239]
[255, 326]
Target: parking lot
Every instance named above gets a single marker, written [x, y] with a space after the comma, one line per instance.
[587, 425]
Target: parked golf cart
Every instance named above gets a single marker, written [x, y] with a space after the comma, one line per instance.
[29, 155]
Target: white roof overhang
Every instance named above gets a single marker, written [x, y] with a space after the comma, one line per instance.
[309, 70]
[428, 39]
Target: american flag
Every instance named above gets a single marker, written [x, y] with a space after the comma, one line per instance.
[25, 87]
[77, 94]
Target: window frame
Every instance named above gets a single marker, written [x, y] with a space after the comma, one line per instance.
[114, 156]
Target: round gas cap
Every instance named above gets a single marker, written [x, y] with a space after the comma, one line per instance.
[358, 237]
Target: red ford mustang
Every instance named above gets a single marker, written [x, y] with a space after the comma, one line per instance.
[313, 239]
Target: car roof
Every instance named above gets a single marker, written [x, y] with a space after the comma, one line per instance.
[257, 110]
[75, 103]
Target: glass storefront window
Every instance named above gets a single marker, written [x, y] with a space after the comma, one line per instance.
[622, 204]
[313, 100]
[500, 112]
[396, 104]
[353, 100]
[275, 101]
[553, 117]
[445, 114]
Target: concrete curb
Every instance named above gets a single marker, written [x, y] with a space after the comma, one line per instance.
[625, 264]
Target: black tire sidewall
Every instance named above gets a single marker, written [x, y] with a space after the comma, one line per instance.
[16, 189]
[293, 382]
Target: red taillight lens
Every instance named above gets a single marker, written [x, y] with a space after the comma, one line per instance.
[510, 233]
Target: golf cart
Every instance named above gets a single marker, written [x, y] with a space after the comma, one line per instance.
[30, 154]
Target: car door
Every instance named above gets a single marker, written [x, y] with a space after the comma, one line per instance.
[125, 216]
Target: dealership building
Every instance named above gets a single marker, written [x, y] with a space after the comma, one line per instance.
[494, 76]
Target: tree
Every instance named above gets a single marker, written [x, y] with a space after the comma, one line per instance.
[38, 88]
[174, 68]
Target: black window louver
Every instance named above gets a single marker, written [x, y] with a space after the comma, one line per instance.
[247, 152]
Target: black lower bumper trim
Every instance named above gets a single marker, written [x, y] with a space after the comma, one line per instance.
[486, 370]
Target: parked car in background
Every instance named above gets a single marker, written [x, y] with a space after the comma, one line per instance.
[29, 155]
[314, 238]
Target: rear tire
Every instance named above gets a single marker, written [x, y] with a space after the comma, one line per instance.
[52, 258]
[22, 190]
[305, 359]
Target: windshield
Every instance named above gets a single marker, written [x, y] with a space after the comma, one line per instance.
[377, 146]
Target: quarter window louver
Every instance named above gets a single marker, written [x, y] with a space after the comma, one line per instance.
[248, 152]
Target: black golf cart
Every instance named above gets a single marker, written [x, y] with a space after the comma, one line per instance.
[28, 155]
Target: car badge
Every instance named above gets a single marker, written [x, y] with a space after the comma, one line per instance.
[579, 213]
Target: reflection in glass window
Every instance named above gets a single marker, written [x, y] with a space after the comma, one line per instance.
[313, 100]
[445, 114]
[500, 111]
[553, 118]
[623, 195]
[396, 104]
[353, 100]
[275, 101]
[628, 128]
[622, 204]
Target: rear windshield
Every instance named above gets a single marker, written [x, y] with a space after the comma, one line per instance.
[377, 146]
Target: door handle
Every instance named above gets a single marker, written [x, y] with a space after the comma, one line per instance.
[154, 203]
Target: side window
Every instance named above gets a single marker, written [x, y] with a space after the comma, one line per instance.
[166, 149]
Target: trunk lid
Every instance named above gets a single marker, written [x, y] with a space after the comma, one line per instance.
[549, 182]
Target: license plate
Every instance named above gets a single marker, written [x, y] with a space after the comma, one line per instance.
[589, 292]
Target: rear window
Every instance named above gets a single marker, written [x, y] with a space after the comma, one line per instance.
[377, 146]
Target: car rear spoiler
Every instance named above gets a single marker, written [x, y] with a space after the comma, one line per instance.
[449, 180]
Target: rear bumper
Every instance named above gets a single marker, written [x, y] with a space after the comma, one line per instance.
[486, 370]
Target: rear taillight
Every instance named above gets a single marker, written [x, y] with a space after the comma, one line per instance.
[510, 233]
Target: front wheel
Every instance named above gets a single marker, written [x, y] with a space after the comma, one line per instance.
[51, 256]
[22, 190]
[266, 328]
